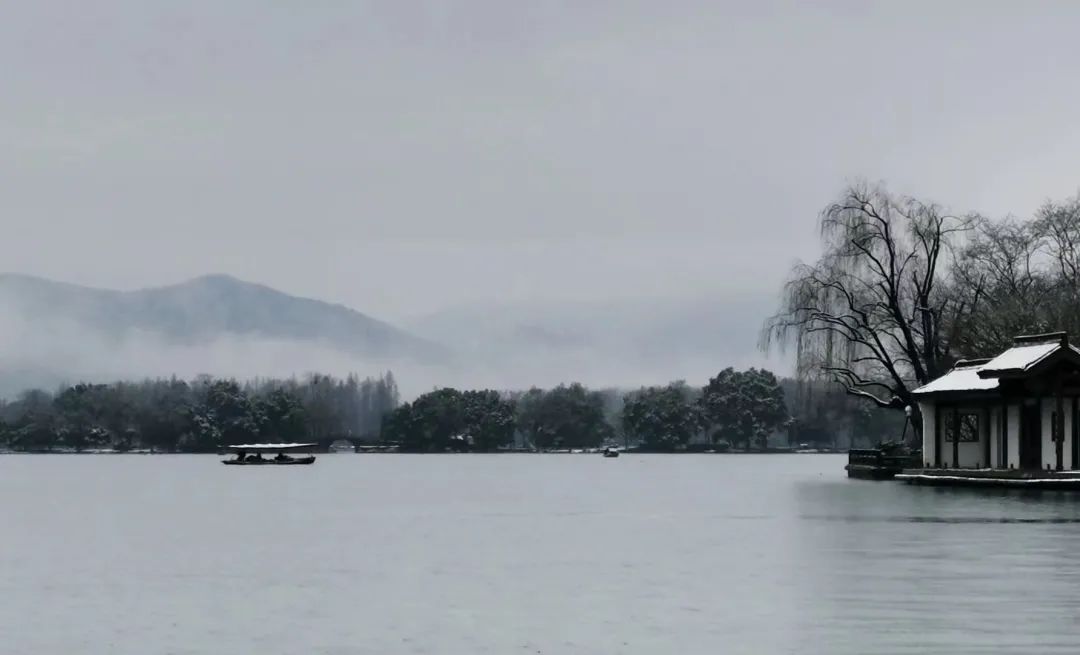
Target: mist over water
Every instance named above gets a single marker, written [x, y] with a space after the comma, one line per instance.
[754, 555]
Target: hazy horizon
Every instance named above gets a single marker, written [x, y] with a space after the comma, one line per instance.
[52, 334]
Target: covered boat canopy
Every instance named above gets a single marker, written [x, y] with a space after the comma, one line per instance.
[270, 447]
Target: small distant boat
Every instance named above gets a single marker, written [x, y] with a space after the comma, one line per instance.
[251, 454]
[611, 452]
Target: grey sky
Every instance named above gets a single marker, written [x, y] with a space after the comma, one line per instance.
[402, 157]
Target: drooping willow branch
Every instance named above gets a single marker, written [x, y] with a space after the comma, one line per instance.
[869, 314]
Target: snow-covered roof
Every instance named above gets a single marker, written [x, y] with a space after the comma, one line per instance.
[983, 375]
[1021, 358]
[964, 377]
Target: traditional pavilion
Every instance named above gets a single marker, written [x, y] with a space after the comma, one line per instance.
[1014, 411]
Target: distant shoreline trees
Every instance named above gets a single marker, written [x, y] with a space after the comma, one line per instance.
[747, 406]
[663, 419]
[736, 409]
[201, 415]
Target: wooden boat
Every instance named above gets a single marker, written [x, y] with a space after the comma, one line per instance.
[251, 454]
[291, 461]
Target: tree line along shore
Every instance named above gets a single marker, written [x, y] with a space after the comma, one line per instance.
[744, 410]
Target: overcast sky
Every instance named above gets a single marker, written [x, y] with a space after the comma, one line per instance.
[406, 156]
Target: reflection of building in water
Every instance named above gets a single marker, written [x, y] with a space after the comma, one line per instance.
[1014, 411]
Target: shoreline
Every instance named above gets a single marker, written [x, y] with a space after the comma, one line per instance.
[389, 451]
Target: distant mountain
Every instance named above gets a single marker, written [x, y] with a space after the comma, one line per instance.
[206, 324]
[53, 333]
[206, 308]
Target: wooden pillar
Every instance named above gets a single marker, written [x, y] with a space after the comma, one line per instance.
[984, 434]
[956, 438]
[1059, 426]
[937, 435]
[1004, 463]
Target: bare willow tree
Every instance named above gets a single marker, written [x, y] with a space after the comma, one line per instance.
[1027, 274]
[874, 313]
[1001, 265]
[1057, 232]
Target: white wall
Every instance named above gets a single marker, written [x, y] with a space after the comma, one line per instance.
[995, 438]
[929, 412]
[974, 453]
[971, 454]
[1067, 447]
[1049, 451]
[1013, 436]
[1049, 448]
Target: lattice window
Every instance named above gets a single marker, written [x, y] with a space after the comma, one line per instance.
[969, 426]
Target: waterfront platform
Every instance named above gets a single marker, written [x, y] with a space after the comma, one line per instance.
[878, 464]
[1000, 478]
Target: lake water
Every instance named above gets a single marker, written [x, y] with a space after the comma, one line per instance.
[524, 554]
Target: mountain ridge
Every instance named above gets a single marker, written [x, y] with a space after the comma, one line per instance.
[208, 306]
[58, 332]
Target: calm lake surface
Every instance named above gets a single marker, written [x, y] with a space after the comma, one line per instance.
[524, 554]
